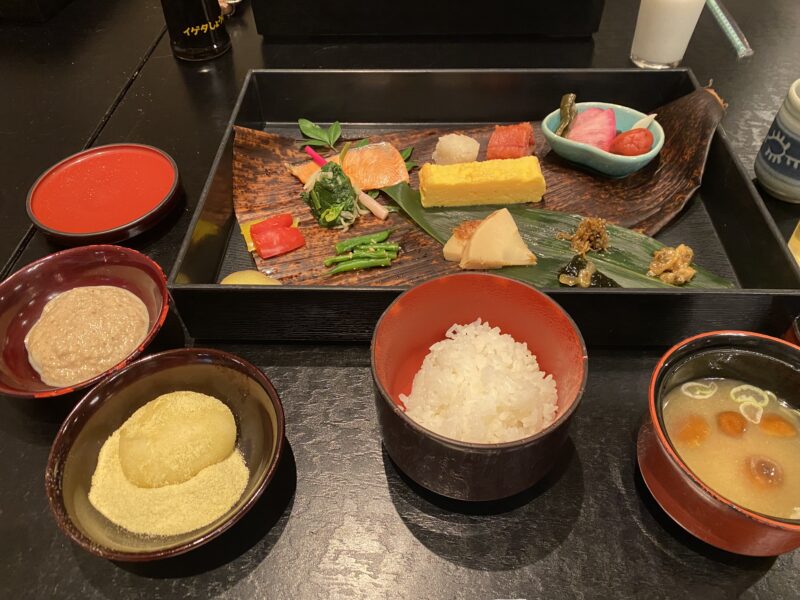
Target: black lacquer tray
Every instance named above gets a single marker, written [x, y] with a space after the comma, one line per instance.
[725, 222]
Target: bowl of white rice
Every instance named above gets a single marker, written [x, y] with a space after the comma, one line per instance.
[476, 379]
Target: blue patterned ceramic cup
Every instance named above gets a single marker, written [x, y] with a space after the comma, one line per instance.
[778, 162]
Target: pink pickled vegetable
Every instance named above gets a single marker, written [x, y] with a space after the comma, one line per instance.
[315, 156]
[594, 126]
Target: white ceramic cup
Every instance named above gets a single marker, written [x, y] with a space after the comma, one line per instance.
[778, 162]
[663, 31]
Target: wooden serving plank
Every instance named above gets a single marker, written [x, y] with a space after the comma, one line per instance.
[645, 201]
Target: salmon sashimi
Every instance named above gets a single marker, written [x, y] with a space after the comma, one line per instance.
[370, 167]
[510, 141]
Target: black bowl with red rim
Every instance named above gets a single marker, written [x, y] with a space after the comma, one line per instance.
[420, 317]
[104, 194]
[24, 294]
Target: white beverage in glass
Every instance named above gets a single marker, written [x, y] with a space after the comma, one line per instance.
[663, 31]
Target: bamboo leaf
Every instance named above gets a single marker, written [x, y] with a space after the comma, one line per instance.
[626, 261]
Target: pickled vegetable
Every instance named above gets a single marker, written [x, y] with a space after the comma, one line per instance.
[633, 142]
[568, 112]
[249, 277]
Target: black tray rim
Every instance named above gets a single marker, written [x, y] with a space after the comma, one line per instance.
[643, 292]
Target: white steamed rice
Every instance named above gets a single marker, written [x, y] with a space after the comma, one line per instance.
[480, 385]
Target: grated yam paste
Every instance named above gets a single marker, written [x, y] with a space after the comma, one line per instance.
[85, 331]
[170, 509]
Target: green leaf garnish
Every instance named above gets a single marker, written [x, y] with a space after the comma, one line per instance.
[314, 143]
[334, 133]
[319, 136]
[311, 130]
[405, 153]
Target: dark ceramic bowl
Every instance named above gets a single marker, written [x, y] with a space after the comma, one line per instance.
[73, 457]
[24, 294]
[419, 318]
[758, 359]
[74, 184]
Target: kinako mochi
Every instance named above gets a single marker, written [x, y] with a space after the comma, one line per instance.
[489, 244]
[501, 181]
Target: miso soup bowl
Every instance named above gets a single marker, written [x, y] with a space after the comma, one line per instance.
[419, 318]
[243, 388]
[757, 359]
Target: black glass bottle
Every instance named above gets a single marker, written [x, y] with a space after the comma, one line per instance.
[196, 28]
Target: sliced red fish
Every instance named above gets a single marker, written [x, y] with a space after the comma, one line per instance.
[370, 167]
[510, 141]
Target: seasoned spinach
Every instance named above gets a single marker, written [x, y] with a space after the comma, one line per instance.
[332, 198]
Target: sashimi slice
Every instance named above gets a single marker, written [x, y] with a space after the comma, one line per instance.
[594, 126]
[510, 141]
[370, 167]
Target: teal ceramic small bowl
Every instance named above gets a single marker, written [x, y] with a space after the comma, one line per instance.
[606, 163]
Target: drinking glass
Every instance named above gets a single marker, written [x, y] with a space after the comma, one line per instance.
[663, 31]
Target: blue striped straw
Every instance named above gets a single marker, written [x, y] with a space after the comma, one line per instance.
[730, 28]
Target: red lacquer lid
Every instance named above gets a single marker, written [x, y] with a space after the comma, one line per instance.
[108, 193]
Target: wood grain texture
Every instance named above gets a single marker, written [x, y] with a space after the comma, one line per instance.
[645, 201]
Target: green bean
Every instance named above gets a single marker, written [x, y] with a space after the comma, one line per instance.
[359, 253]
[332, 260]
[360, 263]
[372, 238]
[387, 246]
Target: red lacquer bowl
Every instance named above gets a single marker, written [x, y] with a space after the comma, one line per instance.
[419, 318]
[24, 294]
[105, 194]
[758, 359]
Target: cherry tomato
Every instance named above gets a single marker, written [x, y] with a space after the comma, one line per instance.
[633, 142]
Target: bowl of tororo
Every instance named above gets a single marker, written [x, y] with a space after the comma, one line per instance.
[165, 455]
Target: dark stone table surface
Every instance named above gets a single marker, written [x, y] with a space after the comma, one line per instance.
[339, 521]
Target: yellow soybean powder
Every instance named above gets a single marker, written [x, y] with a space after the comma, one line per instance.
[169, 509]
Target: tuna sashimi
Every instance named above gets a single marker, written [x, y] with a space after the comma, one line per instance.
[594, 126]
[370, 167]
[510, 141]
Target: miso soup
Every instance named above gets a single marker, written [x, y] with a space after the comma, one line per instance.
[740, 440]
